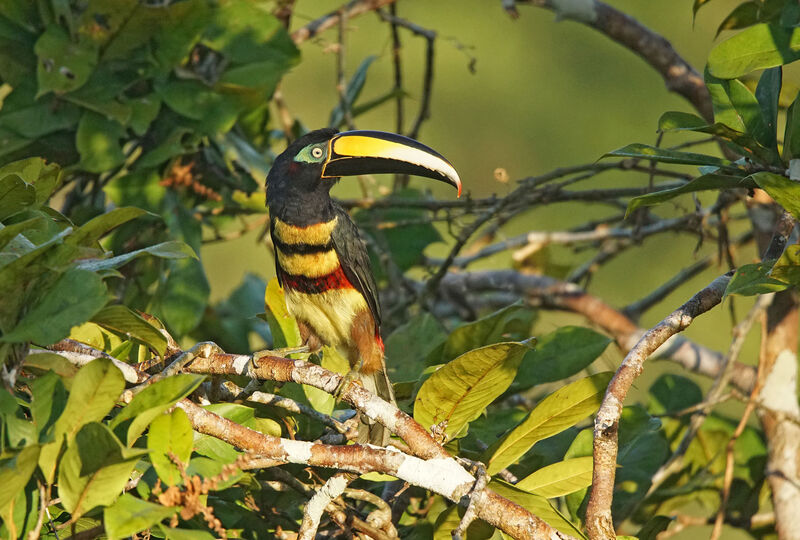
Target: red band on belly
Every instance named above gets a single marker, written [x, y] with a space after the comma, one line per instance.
[335, 280]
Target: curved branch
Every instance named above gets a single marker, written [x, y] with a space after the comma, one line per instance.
[599, 523]
[330, 20]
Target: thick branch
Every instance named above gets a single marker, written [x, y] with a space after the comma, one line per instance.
[599, 523]
[442, 475]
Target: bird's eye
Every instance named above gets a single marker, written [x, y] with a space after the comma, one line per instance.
[316, 152]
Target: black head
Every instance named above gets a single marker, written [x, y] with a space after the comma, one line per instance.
[302, 175]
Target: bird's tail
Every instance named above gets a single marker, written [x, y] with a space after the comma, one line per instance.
[368, 430]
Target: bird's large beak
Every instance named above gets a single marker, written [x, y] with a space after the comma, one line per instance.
[377, 152]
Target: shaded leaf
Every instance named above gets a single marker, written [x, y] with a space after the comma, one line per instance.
[130, 514]
[94, 469]
[507, 324]
[170, 434]
[71, 300]
[63, 65]
[555, 413]
[742, 16]
[353, 90]
[98, 142]
[15, 471]
[538, 506]
[151, 402]
[460, 391]
[172, 249]
[752, 279]
[48, 399]
[410, 344]
[560, 354]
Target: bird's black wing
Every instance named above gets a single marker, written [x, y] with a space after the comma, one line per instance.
[275, 251]
[352, 253]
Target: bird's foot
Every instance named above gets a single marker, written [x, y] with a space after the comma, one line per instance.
[351, 377]
[286, 351]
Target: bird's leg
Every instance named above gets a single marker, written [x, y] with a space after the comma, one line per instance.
[352, 376]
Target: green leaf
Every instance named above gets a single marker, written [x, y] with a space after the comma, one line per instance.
[185, 295]
[448, 521]
[94, 469]
[758, 47]
[787, 268]
[560, 354]
[764, 151]
[95, 390]
[560, 478]
[185, 534]
[558, 411]
[122, 320]
[510, 323]
[62, 64]
[460, 391]
[353, 90]
[15, 196]
[139, 189]
[283, 326]
[410, 344]
[672, 394]
[654, 526]
[130, 514]
[752, 279]
[170, 434]
[791, 136]
[15, 471]
[97, 140]
[172, 249]
[785, 192]
[41, 117]
[215, 111]
[71, 300]
[643, 151]
[152, 402]
[768, 94]
[538, 506]
[742, 16]
[701, 183]
[49, 397]
[95, 228]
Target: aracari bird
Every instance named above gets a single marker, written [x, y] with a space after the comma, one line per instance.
[321, 259]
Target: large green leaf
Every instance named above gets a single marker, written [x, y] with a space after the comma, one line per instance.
[185, 534]
[643, 151]
[71, 300]
[185, 295]
[94, 469]
[148, 404]
[95, 390]
[123, 320]
[91, 231]
[282, 325]
[768, 93]
[130, 514]
[559, 355]
[560, 478]
[15, 196]
[758, 47]
[410, 344]
[460, 391]
[791, 135]
[784, 191]
[170, 435]
[558, 411]
[44, 176]
[787, 268]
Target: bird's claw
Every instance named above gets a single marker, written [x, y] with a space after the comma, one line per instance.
[349, 378]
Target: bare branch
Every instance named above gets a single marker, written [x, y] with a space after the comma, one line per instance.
[351, 9]
[599, 523]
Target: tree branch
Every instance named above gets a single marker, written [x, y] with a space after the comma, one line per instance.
[350, 10]
[599, 522]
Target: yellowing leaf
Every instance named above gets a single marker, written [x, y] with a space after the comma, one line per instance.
[560, 410]
[460, 391]
[560, 478]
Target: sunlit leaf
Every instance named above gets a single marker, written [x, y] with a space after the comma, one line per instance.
[459, 392]
[130, 514]
[558, 411]
[758, 47]
[122, 320]
[560, 478]
[643, 151]
[170, 435]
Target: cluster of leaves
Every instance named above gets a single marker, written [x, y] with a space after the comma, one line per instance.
[162, 106]
[747, 116]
